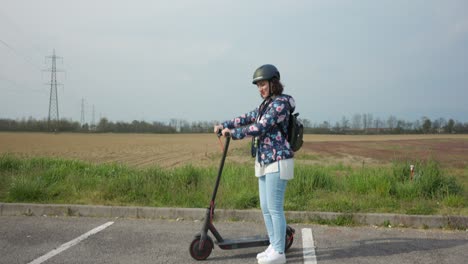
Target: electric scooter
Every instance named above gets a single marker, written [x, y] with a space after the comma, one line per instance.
[202, 244]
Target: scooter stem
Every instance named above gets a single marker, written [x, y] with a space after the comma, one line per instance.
[220, 170]
[207, 225]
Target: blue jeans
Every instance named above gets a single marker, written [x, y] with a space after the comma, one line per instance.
[272, 189]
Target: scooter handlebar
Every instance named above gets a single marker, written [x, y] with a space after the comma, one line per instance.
[220, 134]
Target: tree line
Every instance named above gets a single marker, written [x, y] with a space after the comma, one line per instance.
[356, 124]
[367, 124]
[64, 125]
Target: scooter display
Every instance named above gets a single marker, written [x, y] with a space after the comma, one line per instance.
[202, 244]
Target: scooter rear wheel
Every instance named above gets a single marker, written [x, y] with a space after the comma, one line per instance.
[289, 237]
[202, 254]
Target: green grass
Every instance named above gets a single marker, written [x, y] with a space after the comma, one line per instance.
[341, 220]
[336, 188]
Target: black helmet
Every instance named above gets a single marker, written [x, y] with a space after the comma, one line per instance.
[265, 72]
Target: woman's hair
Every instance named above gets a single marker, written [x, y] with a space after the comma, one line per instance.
[276, 86]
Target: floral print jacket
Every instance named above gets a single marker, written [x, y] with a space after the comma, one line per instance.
[270, 128]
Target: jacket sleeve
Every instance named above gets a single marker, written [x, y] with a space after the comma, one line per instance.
[242, 120]
[277, 111]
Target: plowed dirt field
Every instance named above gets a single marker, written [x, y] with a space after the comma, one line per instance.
[143, 150]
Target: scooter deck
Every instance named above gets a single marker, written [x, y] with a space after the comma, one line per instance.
[244, 242]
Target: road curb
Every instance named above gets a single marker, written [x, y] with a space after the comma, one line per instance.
[395, 220]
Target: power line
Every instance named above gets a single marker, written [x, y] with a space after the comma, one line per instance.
[14, 27]
[18, 87]
[8, 46]
[26, 59]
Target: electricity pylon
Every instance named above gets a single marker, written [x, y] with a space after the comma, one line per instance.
[53, 119]
[82, 121]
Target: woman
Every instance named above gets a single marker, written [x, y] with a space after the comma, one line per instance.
[274, 164]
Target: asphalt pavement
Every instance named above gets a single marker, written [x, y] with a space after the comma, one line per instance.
[71, 239]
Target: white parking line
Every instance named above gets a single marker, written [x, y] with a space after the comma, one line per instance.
[308, 246]
[71, 243]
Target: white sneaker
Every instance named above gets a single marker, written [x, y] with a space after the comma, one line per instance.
[265, 253]
[273, 258]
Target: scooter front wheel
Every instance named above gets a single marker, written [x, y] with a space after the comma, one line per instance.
[202, 254]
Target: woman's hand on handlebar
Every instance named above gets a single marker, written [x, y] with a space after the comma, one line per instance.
[221, 131]
[218, 128]
[226, 132]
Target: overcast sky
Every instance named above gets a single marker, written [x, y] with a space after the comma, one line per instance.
[194, 60]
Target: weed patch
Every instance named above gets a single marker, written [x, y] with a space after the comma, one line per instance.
[335, 188]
